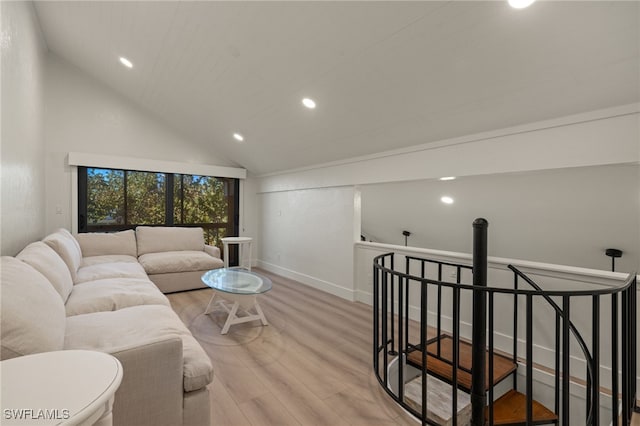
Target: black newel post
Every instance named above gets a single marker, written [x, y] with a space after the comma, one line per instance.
[478, 366]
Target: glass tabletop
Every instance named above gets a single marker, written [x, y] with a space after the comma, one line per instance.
[236, 281]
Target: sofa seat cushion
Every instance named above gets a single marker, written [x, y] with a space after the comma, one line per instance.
[32, 316]
[108, 258]
[105, 243]
[178, 261]
[131, 327]
[67, 247]
[112, 294]
[46, 261]
[101, 271]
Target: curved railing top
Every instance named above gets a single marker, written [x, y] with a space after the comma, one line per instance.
[573, 273]
[491, 289]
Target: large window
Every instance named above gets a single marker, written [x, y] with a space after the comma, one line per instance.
[114, 200]
[199, 200]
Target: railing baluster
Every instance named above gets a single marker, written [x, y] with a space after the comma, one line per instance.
[565, 361]
[406, 307]
[439, 309]
[595, 342]
[457, 339]
[393, 310]
[406, 316]
[376, 319]
[614, 358]
[423, 333]
[515, 330]
[456, 355]
[385, 322]
[588, 394]
[529, 359]
[491, 325]
[556, 409]
[401, 354]
[626, 412]
[633, 320]
[424, 290]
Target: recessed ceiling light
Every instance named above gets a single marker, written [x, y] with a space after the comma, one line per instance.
[127, 63]
[309, 103]
[520, 4]
[447, 200]
[448, 178]
[238, 137]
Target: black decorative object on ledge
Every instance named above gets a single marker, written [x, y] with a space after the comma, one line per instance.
[613, 253]
[406, 234]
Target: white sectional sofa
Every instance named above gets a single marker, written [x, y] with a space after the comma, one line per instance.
[92, 292]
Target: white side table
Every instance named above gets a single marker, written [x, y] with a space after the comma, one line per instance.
[244, 251]
[74, 387]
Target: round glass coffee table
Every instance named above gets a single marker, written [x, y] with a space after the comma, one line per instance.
[241, 288]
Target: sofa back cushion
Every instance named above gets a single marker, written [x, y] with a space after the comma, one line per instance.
[32, 317]
[108, 243]
[67, 247]
[156, 239]
[46, 261]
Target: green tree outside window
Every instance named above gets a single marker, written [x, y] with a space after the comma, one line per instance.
[113, 200]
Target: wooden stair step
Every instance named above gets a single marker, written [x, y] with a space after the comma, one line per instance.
[439, 401]
[511, 409]
[442, 366]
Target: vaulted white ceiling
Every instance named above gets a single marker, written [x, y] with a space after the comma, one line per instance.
[385, 75]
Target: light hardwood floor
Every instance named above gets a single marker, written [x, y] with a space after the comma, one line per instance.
[312, 365]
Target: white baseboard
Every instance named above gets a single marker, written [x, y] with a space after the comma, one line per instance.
[326, 286]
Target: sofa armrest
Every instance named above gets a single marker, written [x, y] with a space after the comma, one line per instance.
[212, 251]
[151, 392]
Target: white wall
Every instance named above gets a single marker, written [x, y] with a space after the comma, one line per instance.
[308, 235]
[23, 178]
[83, 115]
[249, 214]
[603, 137]
[565, 216]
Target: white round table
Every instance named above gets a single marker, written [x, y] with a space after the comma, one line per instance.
[74, 387]
[244, 251]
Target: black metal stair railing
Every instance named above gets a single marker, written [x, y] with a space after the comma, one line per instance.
[395, 342]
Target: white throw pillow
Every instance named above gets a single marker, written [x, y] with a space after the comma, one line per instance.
[46, 261]
[156, 239]
[32, 317]
[67, 247]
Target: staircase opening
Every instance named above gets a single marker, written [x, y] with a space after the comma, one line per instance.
[453, 349]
